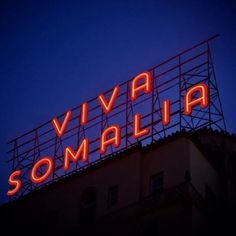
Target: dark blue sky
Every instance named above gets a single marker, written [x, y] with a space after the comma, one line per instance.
[56, 54]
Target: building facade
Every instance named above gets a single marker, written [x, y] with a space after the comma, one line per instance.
[184, 184]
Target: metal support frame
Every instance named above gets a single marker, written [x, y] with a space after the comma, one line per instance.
[171, 80]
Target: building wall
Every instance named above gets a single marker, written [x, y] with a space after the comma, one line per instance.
[171, 158]
[175, 210]
[202, 172]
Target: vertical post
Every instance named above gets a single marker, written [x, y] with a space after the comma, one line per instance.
[34, 153]
[55, 157]
[78, 142]
[14, 162]
[214, 82]
[153, 107]
[15, 154]
[126, 114]
[180, 95]
[101, 123]
[209, 84]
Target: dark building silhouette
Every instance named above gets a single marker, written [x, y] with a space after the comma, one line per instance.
[184, 184]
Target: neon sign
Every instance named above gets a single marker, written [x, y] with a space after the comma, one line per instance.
[113, 130]
[176, 94]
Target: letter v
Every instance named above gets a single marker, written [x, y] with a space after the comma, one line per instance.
[60, 129]
[107, 106]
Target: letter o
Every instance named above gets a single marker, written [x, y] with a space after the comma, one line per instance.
[44, 161]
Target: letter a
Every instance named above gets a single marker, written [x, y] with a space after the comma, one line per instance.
[146, 86]
[105, 141]
[189, 102]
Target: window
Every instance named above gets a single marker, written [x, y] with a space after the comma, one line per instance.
[88, 207]
[113, 195]
[156, 183]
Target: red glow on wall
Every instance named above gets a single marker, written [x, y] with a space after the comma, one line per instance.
[146, 87]
[14, 182]
[105, 140]
[34, 173]
[70, 154]
[60, 129]
[202, 100]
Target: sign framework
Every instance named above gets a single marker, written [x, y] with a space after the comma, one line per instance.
[157, 110]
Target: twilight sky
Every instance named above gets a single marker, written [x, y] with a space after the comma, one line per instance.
[57, 54]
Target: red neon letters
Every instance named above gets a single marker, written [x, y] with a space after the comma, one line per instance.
[74, 156]
[84, 113]
[142, 83]
[166, 112]
[107, 106]
[105, 141]
[189, 102]
[137, 131]
[34, 175]
[146, 86]
[14, 182]
[60, 129]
